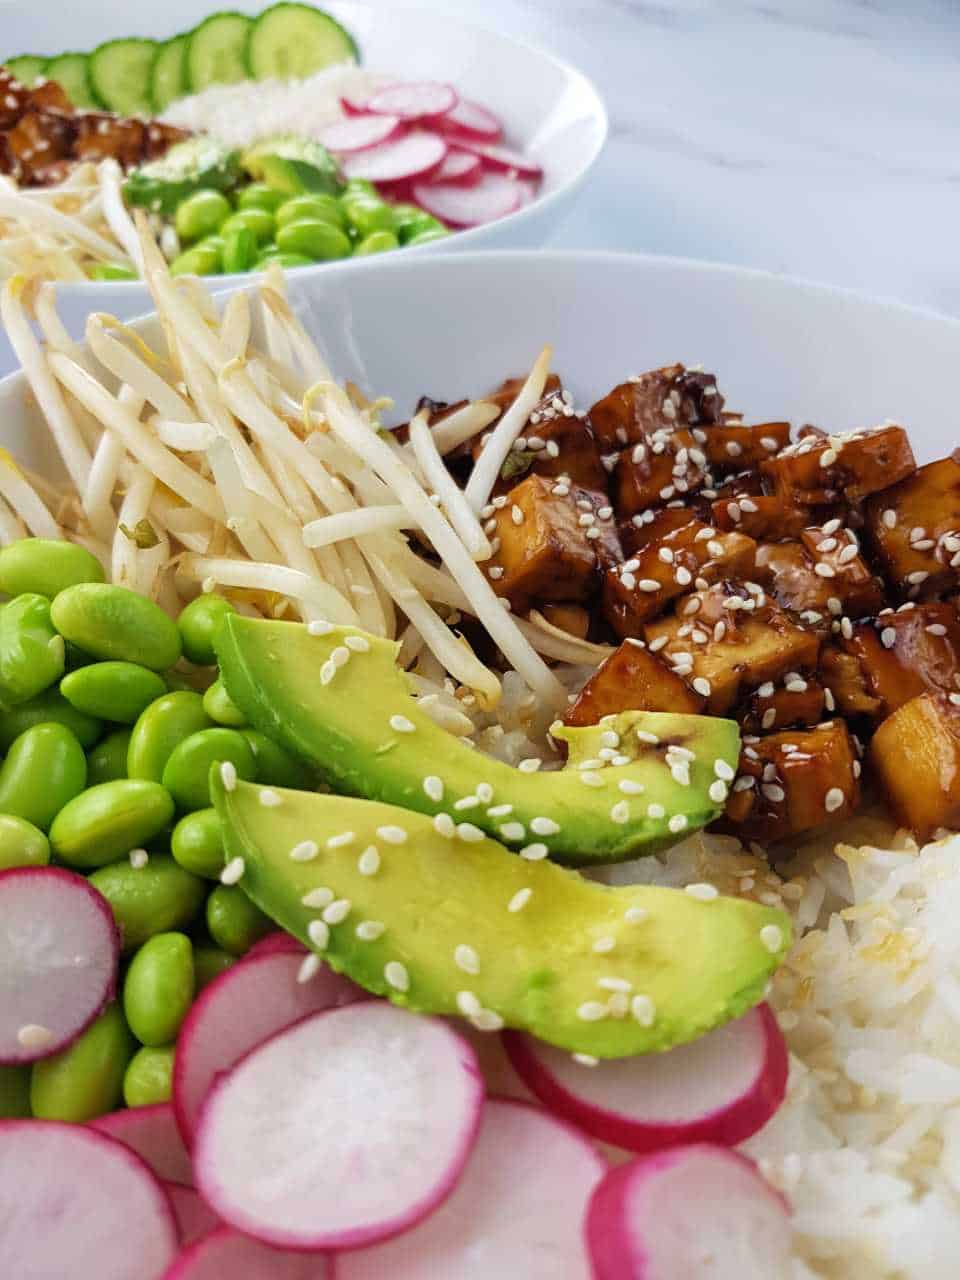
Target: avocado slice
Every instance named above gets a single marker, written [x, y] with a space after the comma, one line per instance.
[447, 926]
[293, 165]
[369, 738]
[187, 167]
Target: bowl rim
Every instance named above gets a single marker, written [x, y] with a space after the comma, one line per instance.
[538, 205]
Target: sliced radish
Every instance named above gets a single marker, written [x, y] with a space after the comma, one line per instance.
[153, 1134]
[500, 157]
[227, 1255]
[470, 120]
[276, 941]
[344, 1129]
[58, 960]
[700, 1212]
[517, 1211]
[721, 1088]
[250, 1002]
[419, 100]
[195, 1219]
[359, 132]
[411, 156]
[459, 168]
[354, 106]
[494, 196]
[75, 1203]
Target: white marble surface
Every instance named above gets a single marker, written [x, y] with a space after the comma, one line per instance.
[820, 138]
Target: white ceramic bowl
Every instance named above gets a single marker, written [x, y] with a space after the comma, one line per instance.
[456, 325]
[549, 109]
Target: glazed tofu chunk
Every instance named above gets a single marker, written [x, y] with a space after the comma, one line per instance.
[820, 469]
[904, 654]
[632, 679]
[801, 700]
[560, 443]
[663, 398]
[916, 756]
[820, 578]
[727, 639]
[734, 446]
[649, 526]
[651, 473]
[759, 516]
[845, 683]
[914, 530]
[641, 587]
[100, 135]
[548, 545]
[793, 781]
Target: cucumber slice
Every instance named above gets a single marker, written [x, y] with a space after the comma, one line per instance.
[26, 68]
[120, 75]
[70, 72]
[168, 75]
[216, 53]
[290, 41]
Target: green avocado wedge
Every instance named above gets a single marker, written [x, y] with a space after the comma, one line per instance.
[447, 926]
[632, 785]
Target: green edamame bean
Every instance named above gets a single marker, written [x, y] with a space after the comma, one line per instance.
[21, 845]
[46, 566]
[112, 622]
[234, 922]
[368, 213]
[239, 250]
[14, 1092]
[113, 690]
[276, 767]
[105, 822]
[202, 260]
[285, 260]
[164, 724]
[376, 242]
[108, 759]
[149, 1077]
[44, 770]
[50, 707]
[201, 214]
[32, 655]
[259, 196]
[209, 963]
[361, 185]
[315, 239]
[322, 207]
[158, 989]
[151, 899]
[197, 844]
[427, 237]
[85, 1080]
[411, 221]
[199, 623]
[258, 220]
[111, 271]
[186, 774]
[221, 708]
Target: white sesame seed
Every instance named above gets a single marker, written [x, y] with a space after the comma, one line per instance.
[370, 930]
[393, 834]
[656, 811]
[519, 900]
[771, 936]
[620, 813]
[744, 783]
[734, 449]
[609, 738]
[328, 671]
[658, 644]
[396, 975]
[319, 627]
[33, 1036]
[309, 968]
[604, 945]
[848, 554]
[704, 892]
[333, 842]
[512, 830]
[337, 911]
[717, 791]
[628, 787]
[368, 864]
[954, 698]
[469, 834]
[232, 873]
[139, 859]
[433, 788]
[468, 1004]
[400, 724]
[828, 457]
[824, 570]
[915, 579]
[466, 802]
[680, 772]
[269, 799]
[484, 792]
[828, 544]
[635, 915]
[466, 958]
[795, 686]
[648, 585]
[305, 851]
[773, 792]
[534, 852]
[678, 823]
[544, 827]
[530, 765]
[592, 1011]
[340, 656]
[228, 775]
[318, 898]
[888, 637]
[487, 1020]
[643, 1010]
[585, 1059]
[590, 779]
[500, 811]
[318, 931]
[516, 514]
[833, 800]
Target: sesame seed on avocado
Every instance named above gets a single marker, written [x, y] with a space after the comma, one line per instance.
[334, 696]
[445, 924]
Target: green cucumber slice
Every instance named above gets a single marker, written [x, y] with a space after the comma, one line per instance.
[168, 75]
[216, 53]
[26, 68]
[70, 72]
[291, 41]
[120, 75]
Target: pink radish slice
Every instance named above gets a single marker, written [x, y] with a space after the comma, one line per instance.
[470, 120]
[342, 1130]
[227, 1255]
[194, 1218]
[74, 1203]
[354, 106]
[721, 1088]
[494, 196]
[459, 168]
[359, 132]
[499, 157]
[153, 1134]
[411, 156]
[58, 960]
[517, 1211]
[700, 1212]
[276, 941]
[417, 101]
[250, 1002]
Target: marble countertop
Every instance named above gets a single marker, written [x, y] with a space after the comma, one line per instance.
[820, 138]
